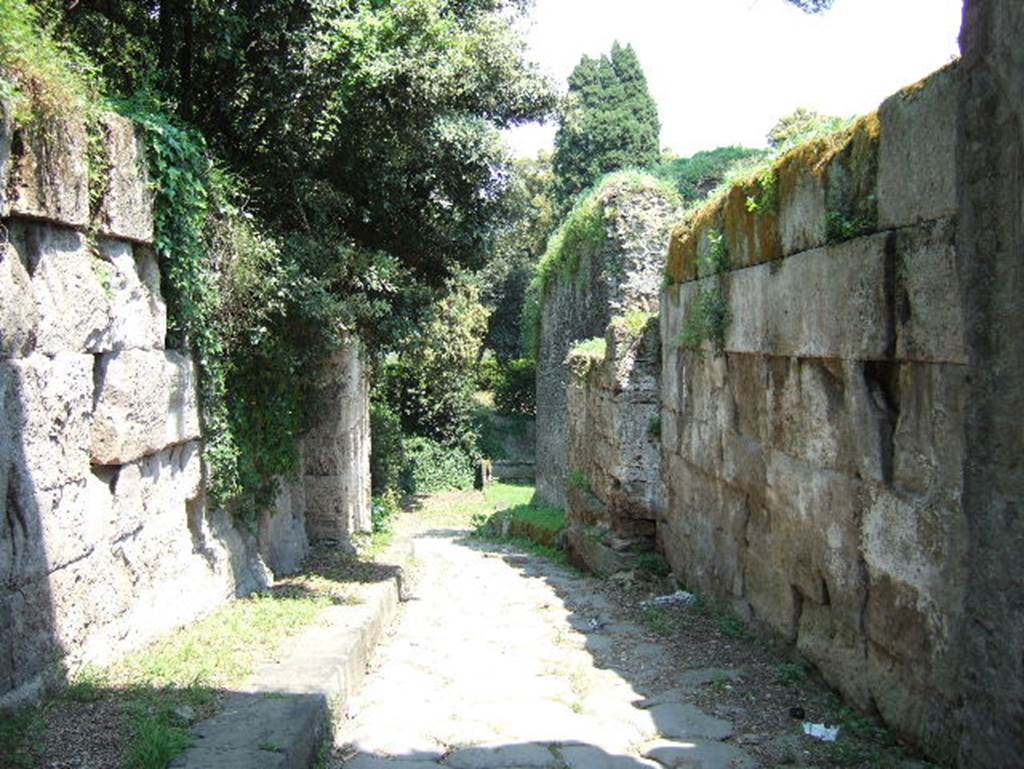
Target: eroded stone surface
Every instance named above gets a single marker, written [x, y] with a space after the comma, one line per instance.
[145, 402]
[49, 175]
[126, 210]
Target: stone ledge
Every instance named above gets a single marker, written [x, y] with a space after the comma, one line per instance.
[288, 705]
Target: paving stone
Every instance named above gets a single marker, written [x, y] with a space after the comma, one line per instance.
[502, 757]
[677, 720]
[364, 761]
[590, 757]
[699, 755]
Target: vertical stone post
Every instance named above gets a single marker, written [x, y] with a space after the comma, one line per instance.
[336, 452]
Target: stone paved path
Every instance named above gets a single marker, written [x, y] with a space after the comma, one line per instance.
[506, 660]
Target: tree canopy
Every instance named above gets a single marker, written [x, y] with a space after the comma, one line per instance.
[609, 121]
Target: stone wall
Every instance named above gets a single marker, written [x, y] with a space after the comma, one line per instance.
[615, 490]
[990, 268]
[814, 472]
[106, 540]
[624, 272]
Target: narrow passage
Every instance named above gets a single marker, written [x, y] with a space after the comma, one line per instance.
[503, 659]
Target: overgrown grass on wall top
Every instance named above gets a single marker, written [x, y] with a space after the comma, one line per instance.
[581, 234]
[841, 155]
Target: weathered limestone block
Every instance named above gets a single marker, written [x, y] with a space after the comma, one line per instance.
[916, 559]
[930, 320]
[47, 404]
[816, 522]
[131, 279]
[837, 650]
[6, 131]
[145, 401]
[704, 529]
[282, 531]
[126, 210]
[49, 175]
[336, 451]
[917, 152]
[928, 442]
[68, 286]
[802, 208]
[19, 317]
[826, 303]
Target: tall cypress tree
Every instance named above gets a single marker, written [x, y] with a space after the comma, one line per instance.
[609, 122]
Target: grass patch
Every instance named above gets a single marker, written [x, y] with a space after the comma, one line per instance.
[790, 674]
[19, 737]
[658, 621]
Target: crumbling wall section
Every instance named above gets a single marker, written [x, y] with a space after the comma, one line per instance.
[615, 489]
[814, 470]
[595, 283]
[106, 539]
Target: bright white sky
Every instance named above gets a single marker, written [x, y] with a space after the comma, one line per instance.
[723, 71]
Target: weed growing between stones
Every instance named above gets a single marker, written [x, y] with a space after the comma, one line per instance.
[587, 354]
[709, 315]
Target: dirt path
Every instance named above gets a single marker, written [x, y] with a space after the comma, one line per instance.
[503, 659]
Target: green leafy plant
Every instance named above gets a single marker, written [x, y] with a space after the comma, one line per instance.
[766, 200]
[840, 227]
[654, 427]
[790, 673]
[709, 315]
[653, 564]
[587, 354]
[516, 389]
[578, 480]
[431, 466]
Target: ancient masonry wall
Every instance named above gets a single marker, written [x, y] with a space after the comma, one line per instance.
[624, 272]
[105, 537]
[615, 489]
[814, 472]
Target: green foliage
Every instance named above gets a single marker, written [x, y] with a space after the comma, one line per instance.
[580, 234]
[383, 511]
[654, 428]
[766, 200]
[658, 621]
[578, 480]
[430, 384]
[587, 354]
[609, 121]
[633, 322]
[43, 77]
[709, 316]
[801, 126]
[20, 733]
[697, 177]
[790, 673]
[387, 456]
[516, 388]
[840, 226]
[431, 466]
[653, 563]
[156, 739]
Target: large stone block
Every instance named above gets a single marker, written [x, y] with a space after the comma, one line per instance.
[930, 319]
[126, 210]
[837, 650]
[145, 401]
[47, 404]
[802, 208]
[816, 517]
[916, 557]
[49, 175]
[330, 508]
[19, 317]
[928, 442]
[70, 287]
[138, 314]
[282, 532]
[917, 152]
[827, 303]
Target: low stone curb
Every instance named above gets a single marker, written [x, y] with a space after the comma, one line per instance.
[284, 716]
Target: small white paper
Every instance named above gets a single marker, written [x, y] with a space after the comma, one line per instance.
[821, 732]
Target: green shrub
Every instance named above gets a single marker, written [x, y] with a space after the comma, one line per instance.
[430, 466]
[386, 454]
[516, 389]
[488, 373]
[383, 510]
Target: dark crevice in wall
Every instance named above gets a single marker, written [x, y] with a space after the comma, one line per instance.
[15, 516]
[881, 378]
[891, 261]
